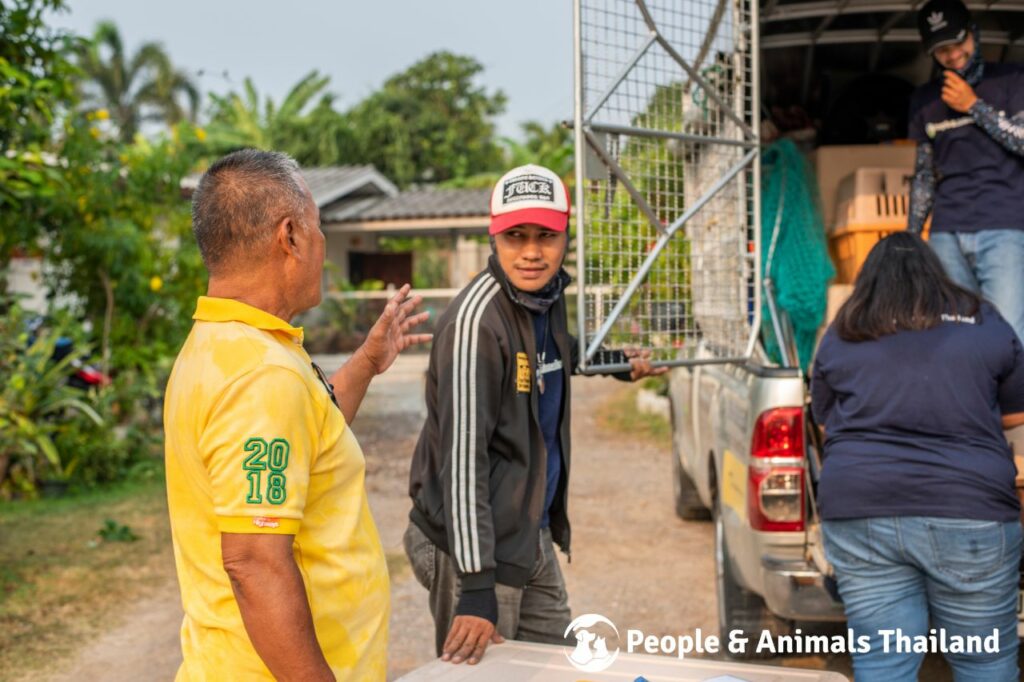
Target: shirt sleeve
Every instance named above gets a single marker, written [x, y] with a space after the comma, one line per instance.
[922, 188]
[1008, 132]
[916, 131]
[574, 354]
[470, 382]
[258, 446]
[1011, 384]
[603, 357]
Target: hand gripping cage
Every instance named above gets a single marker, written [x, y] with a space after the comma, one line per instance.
[667, 178]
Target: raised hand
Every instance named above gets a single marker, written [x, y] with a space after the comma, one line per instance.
[390, 335]
[957, 93]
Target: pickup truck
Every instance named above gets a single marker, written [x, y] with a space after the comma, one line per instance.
[669, 111]
[739, 446]
[740, 449]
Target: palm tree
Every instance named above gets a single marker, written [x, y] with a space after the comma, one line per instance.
[316, 136]
[550, 147]
[142, 87]
[238, 121]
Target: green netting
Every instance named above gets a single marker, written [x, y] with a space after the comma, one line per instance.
[800, 267]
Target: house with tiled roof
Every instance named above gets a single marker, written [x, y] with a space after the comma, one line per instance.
[453, 217]
[358, 206]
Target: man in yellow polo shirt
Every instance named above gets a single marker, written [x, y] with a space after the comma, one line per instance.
[281, 569]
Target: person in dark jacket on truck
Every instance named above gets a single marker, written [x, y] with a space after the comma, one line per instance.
[914, 382]
[490, 472]
[969, 168]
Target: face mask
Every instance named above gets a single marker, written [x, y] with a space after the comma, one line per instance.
[538, 301]
[975, 68]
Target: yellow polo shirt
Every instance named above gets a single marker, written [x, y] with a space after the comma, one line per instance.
[254, 444]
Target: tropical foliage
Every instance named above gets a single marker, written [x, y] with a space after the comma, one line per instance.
[137, 88]
[621, 236]
[305, 123]
[35, 403]
[94, 142]
[430, 123]
[549, 147]
[35, 79]
[105, 209]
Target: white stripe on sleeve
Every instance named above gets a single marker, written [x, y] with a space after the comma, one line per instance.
[460, 550]
[473, 354]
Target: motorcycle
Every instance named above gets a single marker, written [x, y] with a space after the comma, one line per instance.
[84, 376]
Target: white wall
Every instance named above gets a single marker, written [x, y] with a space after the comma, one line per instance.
[468, 258]
[340, 245]
[25, 276]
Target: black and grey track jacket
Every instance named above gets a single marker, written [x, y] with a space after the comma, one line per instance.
[479, 469]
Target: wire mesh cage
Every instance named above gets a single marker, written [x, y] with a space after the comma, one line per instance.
[666, 174]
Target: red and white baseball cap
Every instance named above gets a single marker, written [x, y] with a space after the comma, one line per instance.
[529, 195]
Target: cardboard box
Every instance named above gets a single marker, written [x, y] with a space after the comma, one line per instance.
[837, 295]
[849, 248]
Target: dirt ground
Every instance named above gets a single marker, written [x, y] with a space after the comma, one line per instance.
[633, 561]
[629, 550]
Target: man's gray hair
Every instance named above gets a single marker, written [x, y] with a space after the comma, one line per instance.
[240, 199]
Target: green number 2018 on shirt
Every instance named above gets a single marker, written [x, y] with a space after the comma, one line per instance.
[263, 456]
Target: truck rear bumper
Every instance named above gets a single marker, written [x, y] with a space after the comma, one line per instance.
[796, 590]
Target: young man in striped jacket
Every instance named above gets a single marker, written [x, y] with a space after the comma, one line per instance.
[490, 472]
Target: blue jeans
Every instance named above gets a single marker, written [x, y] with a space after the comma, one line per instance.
[990, 263]
[899, 572]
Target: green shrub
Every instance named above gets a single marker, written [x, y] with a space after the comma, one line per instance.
[112, 531]
[36, 403]
[657, 384]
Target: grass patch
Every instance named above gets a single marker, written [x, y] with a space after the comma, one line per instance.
[60, 582]
[620, 414]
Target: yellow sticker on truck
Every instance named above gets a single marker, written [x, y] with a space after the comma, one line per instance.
[734, 484]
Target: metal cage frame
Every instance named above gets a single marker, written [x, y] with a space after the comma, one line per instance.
[746, 171]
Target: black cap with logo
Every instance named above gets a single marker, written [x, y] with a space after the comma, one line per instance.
[943, 22]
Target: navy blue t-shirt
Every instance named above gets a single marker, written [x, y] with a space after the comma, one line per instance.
[979, 184]
[549, 406]
[913, 421]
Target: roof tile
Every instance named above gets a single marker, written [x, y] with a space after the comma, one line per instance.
[432, 202]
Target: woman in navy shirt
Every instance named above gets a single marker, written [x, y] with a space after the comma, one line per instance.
[914, 383]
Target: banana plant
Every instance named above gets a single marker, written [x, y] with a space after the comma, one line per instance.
[34, 399]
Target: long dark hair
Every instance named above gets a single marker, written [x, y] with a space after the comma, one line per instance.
[902, 286]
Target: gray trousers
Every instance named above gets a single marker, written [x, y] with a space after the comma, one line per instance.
[537, 612]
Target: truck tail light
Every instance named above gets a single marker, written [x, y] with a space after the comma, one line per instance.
[775, 484]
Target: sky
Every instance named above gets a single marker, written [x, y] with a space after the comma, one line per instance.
[525, 47]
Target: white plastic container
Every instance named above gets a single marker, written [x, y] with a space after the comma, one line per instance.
[873, 198]
[522, 662]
